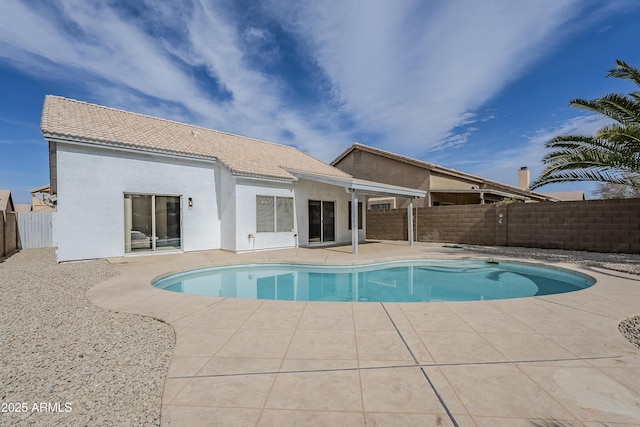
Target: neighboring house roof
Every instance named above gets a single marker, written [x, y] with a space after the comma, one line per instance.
[6, 204]
[23, 207]
[70, 120]
[567, 196]
[43, 189]
[508, 189]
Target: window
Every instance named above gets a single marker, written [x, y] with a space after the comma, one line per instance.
[284, 214]
[152, 222]
[265, 214]
[274, 214]
[379, 206]
[359, 215]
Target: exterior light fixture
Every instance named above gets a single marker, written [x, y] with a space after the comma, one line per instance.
[190, 203]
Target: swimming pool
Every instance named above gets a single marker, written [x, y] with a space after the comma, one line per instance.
[394, 281]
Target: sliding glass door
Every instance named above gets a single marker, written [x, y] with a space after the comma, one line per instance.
[321, 221]
[151, 223]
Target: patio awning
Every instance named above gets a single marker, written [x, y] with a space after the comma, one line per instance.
[361, 186]
[370, 188]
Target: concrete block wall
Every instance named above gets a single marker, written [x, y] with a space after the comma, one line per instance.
[471, 224]
[387, 224]
[592, 225]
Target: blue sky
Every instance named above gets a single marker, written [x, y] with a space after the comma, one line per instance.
[477, 86]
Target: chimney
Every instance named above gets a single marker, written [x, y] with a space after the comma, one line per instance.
[524, 178]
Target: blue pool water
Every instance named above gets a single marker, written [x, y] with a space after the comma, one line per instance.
[397, 281]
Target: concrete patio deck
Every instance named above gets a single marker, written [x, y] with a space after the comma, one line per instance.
[549, 361]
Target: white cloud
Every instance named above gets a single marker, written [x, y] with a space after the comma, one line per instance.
[118, 61]
[502, 165]
[413, 72]
[416, 71]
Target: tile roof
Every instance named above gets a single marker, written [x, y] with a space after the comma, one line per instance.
[78, 121]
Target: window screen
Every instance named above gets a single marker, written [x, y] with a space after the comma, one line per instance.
[265, 214]
[274, 214]
[284, 214]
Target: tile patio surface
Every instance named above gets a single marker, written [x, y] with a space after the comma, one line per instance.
[546, 361]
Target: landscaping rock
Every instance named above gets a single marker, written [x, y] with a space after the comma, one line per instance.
[66, 362]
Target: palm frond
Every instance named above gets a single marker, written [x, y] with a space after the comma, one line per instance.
[623, 70]
[622, 135]
[612, 155]
[620, 108]
[579, 175]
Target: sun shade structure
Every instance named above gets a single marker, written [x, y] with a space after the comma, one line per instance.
[137, 183]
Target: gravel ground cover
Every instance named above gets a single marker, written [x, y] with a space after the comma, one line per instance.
[66, 362]
[626, 263]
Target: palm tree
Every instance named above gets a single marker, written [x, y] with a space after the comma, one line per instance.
[611, 155]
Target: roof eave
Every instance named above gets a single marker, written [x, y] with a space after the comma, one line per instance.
[109, 145]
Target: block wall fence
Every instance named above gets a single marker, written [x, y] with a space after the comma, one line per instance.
[591, 225]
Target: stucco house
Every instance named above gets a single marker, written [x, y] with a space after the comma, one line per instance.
[443, 186]
[127, 184]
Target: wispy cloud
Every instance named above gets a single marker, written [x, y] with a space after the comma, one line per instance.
[502, 165]
[415, 71]
[130, 65]
[411, 75]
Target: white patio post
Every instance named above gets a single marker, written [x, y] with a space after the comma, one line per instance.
[410, 221]
[354, 222]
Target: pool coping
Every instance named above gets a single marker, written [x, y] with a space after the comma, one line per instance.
[270, 354]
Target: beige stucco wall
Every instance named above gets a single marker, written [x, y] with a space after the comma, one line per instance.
[364, 165]
[442, 181]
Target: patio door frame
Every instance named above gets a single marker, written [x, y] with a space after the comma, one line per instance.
[327, 209]
[128, 210]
